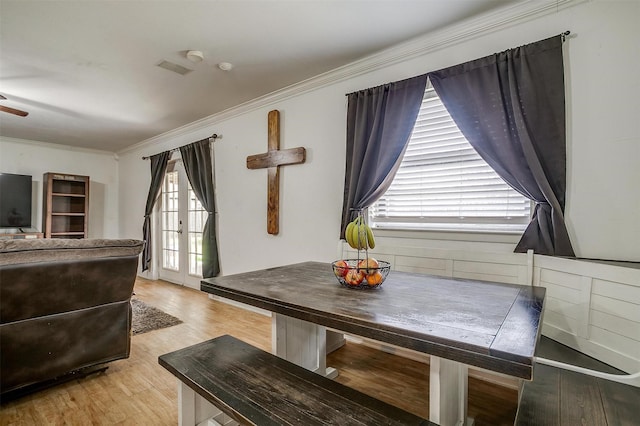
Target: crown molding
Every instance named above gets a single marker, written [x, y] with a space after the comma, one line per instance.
[451, 35]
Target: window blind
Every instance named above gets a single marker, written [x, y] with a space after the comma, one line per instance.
[442, 182]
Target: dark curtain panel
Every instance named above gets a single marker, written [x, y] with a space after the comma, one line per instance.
[379, 124]
[158, 168]
[196, 158]
[511, 108]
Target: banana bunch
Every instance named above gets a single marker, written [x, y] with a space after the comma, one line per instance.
[359, 235]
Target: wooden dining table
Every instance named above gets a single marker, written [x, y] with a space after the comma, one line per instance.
[458, 322]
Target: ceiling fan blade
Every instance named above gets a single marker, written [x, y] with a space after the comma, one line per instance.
[13, 111]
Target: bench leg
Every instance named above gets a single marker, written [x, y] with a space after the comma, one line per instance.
[302, 343]
[448, 390]
[192, 408]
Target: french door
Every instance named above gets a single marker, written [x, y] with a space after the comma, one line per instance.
[179, 231]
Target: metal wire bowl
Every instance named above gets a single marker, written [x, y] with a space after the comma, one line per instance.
[355, 274]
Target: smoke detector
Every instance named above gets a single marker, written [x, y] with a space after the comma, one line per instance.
[195, 56]
[225, 66]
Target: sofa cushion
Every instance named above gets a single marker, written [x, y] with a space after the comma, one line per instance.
[45, 277]
[48, 288]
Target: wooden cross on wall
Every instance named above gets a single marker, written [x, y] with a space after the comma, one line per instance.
[272, 160]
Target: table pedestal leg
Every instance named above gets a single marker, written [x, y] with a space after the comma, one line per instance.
[302, 343]
[447, 392]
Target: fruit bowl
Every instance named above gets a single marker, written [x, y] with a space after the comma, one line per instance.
[361, 274]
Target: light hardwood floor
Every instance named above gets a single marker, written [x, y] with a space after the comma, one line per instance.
[137, 391]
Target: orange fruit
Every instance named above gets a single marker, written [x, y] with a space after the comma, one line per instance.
[375, 278]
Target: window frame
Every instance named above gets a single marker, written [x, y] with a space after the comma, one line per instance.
[476, 225]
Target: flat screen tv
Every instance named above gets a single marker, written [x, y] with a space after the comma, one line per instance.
[15, 201]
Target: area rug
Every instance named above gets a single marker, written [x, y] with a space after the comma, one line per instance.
[148, 318]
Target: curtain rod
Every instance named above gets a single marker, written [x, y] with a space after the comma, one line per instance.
[564, 35]
[211, 138]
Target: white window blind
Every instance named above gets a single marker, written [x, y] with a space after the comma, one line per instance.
[443, 183]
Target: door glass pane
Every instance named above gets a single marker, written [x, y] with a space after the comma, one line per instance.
[197, 217]
[170, 223]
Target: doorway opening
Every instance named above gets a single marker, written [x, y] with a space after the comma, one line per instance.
[181, 222]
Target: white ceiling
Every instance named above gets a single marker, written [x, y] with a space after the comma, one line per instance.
[86, 70]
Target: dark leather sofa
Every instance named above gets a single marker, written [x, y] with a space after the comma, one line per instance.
[64, 307]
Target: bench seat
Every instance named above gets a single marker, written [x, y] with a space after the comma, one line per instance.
[254, 387]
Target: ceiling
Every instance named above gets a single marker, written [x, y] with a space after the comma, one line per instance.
[86, 70]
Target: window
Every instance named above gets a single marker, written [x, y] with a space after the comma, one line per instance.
[173, 207]
[443, 183]
[197, 218]
[170, 222]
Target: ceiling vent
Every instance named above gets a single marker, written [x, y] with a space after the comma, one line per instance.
[174, 67]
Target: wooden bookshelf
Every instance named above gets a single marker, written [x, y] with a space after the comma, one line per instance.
[65, 205]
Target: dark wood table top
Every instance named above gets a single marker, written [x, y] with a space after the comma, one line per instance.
[485, 324]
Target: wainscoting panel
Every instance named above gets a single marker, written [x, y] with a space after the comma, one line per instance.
[511, 268]
[423, 265]
[593, 307]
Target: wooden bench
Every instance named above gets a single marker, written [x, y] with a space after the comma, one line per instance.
[236, 383]
[559, 396]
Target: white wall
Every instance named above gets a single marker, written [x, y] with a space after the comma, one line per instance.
[309, 205]
[35, 158]
[603, 202]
